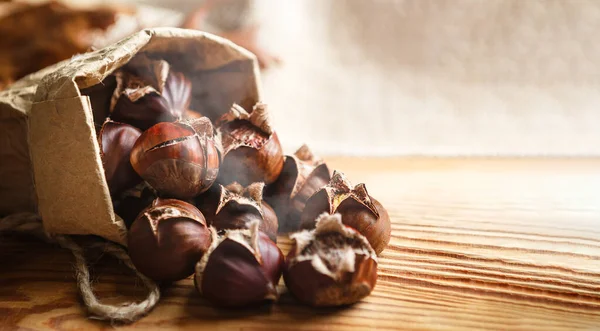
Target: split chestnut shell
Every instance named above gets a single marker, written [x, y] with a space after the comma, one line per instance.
[179, 160]
[303, 174]
[332, 265]
[358, 209]
[149, 92]
[252, 152]
[236, 207]
[241, 268]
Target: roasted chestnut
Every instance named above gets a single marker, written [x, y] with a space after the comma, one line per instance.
[116, 141]
[331, 265]
[302, 175]
[167, 239]
[241, 268]
[252, 152]
[235, 207]
[358, 209]
[179, 160]
[149, 92]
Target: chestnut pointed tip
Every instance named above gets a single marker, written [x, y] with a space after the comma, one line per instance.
[304, 153]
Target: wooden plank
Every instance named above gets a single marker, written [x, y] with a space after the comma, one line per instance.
[477, 244]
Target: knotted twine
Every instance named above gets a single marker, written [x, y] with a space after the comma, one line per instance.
[30, 223]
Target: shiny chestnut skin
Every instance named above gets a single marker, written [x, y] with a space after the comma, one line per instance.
[177, 159]
[303, 174]
[270, 220]
[242, 268]
[358, 209]
[116, 140]
[262, 161]
[167, 239]
[143, 99]
[233, 207]
[252, 151]
[332, 265]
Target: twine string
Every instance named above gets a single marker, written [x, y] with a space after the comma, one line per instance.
[30, 223]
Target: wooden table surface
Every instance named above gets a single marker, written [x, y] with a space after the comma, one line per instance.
[476, 244]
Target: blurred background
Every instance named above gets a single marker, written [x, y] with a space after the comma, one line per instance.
[416, 77]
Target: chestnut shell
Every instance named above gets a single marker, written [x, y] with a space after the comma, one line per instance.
[234, 215]
[358, 209]
[377, 230]
[258, 158]
[295, 185]
[233, 277]
[167, 240]
[154, 107]
[317, 270]
[270, 221]
[175, 160]
[116, 140]
[313, 288]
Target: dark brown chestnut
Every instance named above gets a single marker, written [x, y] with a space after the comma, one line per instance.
[235, 207]
[358, 209]
[149, 92]
[167, 239]
[116, 141]
[252, 152]
[179, 160]
[332, 265]
[241, 268]
[303, 174]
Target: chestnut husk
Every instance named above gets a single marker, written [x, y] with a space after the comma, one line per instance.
[235, 207]
[149, 92]
[303, 174]
[358, 209]
[179, 160]
[167, 240]
[252, 152]
[241, 268]
[332, 265]
[116, 141]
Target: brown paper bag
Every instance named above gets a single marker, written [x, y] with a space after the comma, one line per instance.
[56, 109]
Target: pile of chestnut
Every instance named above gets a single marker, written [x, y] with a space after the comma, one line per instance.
[208, 196]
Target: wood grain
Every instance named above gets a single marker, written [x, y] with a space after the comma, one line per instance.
[477, 244]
